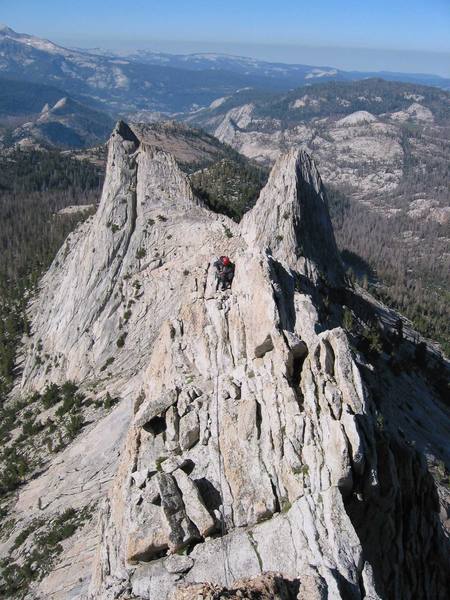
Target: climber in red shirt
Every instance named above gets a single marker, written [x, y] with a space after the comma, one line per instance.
[224, 272]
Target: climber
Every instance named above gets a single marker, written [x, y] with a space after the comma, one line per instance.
[224, 272]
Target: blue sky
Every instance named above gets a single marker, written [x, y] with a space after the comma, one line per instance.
[408, 35]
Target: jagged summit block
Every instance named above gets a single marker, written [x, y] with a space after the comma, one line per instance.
[292, 222]
[159, 180]
[79, 313]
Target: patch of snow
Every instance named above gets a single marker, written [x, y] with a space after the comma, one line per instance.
[40, 44]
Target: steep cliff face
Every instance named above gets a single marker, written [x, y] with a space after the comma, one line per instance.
[100, 286]
[249, 438]
[292, 223]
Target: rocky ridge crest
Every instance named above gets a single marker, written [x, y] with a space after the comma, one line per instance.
[247, 441]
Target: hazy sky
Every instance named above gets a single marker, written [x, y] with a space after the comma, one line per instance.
[408, 35]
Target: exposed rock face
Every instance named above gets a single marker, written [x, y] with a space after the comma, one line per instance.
[116, 280]
[253, 447]
[366, 151]
[80, 310]
[358, 151]
[298, 234]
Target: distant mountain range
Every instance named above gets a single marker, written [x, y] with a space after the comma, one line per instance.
[291, 74]
[157, 82]
[119, 84]
[99, 86]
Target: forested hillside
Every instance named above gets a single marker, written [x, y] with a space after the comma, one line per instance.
[34, 186]
[230, 186]
[273, 111]
[22, 98]
[403, 261]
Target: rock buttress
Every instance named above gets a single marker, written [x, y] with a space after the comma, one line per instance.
[291, 220]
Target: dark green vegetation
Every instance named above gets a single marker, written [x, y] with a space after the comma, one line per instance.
[341, 98]
[36, 171]
[34, 186]
[386, 345]
[380, 338]
[28, 451]
[337, 98]
[22, 456]
[43, 539]
[403, 261]
[230, 187]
